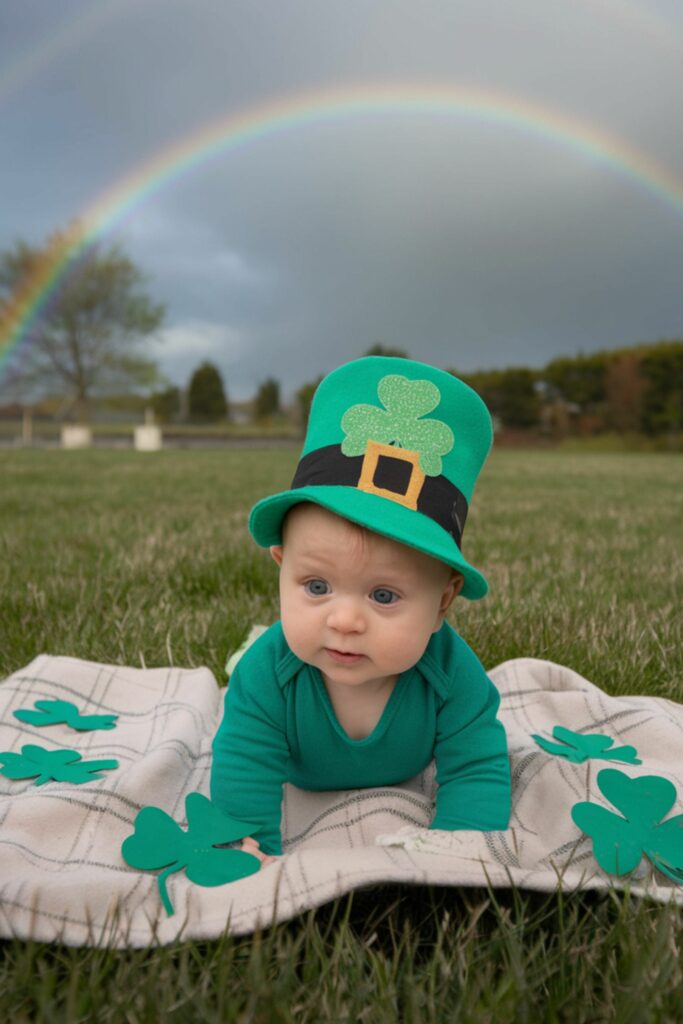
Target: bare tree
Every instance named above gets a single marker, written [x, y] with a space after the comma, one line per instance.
[84, 339]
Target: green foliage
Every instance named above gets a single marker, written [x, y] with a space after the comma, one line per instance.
[304, 398]
[637, 388]
[628, 389]
[620, 842]
[58, 765]
[166, 404]
[510, 395]
[518, 399]
[206, 396]
[662, 366]
[578, 747]
[580, 379]
[83, 342]
[387, 350]
[56, 712]
[267, 401]
[158, 842]
[405, 402]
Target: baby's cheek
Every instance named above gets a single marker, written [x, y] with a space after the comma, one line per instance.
[407, 642]
[298, 634]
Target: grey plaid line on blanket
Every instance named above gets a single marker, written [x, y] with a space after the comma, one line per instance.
[62, 877]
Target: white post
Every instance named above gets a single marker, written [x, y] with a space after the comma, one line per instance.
[76, 435]
[148, 436]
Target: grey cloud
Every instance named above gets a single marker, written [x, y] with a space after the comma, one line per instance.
[469, 242]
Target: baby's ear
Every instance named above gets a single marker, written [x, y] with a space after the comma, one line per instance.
[276, 553]
[451, 591]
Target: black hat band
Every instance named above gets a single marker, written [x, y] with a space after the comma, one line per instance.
[438, 498]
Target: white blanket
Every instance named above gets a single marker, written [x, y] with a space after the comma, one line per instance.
[62, 876]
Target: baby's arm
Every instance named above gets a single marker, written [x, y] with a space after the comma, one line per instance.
[472, 763]
[250, 753]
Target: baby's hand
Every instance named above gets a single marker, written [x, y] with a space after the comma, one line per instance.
[250, 845]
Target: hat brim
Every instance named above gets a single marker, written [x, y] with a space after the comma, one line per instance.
[381, 515]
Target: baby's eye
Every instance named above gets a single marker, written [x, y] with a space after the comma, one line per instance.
[316, 588]
[382, 595]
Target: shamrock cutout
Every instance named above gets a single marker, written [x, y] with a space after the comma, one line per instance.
[620, 842]
[56, 712]
[405, 401]
[158, 842]
[578, 747]
[58, 765]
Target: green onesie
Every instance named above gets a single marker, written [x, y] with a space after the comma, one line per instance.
[279, 726]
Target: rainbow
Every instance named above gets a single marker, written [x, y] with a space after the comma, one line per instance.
[283, 115]
[71, 33]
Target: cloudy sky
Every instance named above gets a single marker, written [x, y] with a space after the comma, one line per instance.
[483, 183]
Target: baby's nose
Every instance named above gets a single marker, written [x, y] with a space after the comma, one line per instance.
[346, 616]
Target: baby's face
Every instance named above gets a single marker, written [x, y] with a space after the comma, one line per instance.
[358, 606]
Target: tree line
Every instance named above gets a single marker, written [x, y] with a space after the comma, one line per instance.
[85, 342]
[637, 389]
[628, 390]
[206, 399]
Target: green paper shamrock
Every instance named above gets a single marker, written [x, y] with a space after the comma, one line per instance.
[578, 747]
[56, 712]
[405, 402]
[619, 843]
[58, 765]
[158, 842]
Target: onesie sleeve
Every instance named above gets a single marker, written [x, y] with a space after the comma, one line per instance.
[250, 749]
[472, 763]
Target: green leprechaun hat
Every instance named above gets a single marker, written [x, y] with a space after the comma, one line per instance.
[396, 446]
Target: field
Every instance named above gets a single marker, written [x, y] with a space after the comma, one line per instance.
[122, 557]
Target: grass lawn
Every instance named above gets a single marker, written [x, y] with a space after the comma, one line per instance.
[134, 558]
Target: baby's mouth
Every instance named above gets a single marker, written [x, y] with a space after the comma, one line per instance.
[343, 657]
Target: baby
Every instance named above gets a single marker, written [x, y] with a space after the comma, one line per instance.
[362, 682]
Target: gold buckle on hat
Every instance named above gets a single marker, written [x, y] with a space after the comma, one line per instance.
[373, 451]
